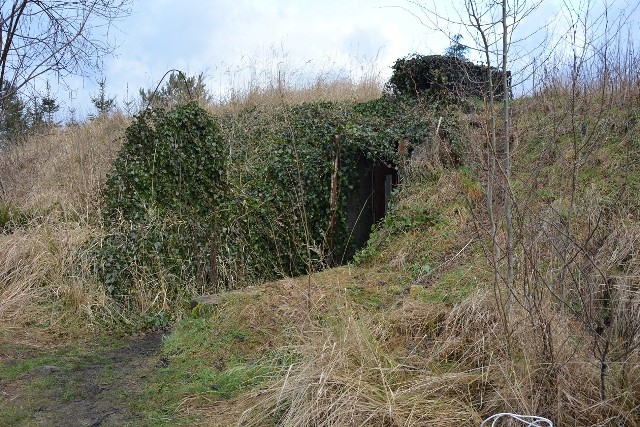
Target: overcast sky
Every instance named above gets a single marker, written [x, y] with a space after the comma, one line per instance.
[227, 40]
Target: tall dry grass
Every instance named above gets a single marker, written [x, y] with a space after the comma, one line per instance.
[51, 184]
[60, 171]
[348, 365]
[424, 364]
[347, 378]
[43, 283]
[272, 79]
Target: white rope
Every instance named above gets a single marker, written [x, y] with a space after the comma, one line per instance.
[527, 420]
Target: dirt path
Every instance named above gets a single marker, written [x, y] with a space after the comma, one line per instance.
[96, 385]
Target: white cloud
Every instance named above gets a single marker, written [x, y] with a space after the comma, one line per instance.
[230, 39]
[224, 37]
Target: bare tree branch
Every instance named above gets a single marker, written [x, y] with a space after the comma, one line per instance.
[64, 37]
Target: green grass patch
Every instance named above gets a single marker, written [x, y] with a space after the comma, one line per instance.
[12, 217]
[451, 288]
[195, 336]
[210, 357]
[211, 378]
[12, 371]
[365, 297]
[14, 415]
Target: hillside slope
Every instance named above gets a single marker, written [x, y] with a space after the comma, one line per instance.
[422, 328]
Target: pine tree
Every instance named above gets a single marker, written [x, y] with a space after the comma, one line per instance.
[103, 104]
[13, 118]
[457, 49]
[34, 114]
[49, 106]
[179, 89]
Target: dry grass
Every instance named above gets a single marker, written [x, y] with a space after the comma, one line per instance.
[348, 377]
[20, 275]
[43, 284]
[53, 181]
[60, 172]
[418, 364]
[421, 364]
[351, 366]
[273, 81]
[335, 91]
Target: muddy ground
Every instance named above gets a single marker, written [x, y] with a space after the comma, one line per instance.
[95, 384]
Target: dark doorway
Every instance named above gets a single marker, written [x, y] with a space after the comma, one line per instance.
[368, 201]
[383, 180]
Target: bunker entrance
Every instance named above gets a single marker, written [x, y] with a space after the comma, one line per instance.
[368, 201]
